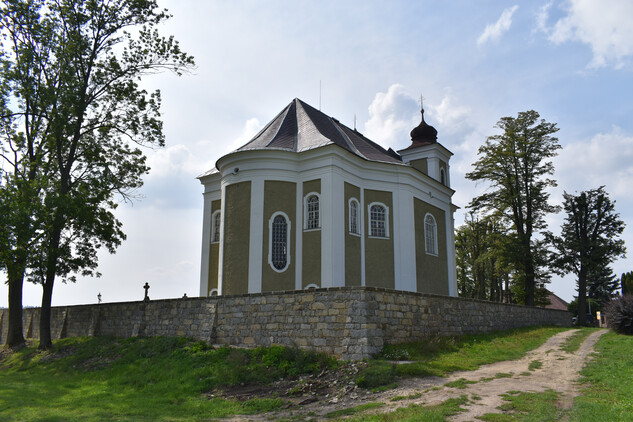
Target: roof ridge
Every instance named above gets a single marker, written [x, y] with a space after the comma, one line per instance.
[285, 112]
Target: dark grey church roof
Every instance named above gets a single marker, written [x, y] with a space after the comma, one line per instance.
[300, 127]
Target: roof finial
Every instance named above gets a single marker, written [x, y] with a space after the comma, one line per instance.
[421, 103]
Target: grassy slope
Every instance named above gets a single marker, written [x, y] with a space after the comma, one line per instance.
[608, 394]
[138, 379]
[166, 378]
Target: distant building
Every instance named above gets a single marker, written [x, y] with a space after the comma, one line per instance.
[556, 302]
[309, 202]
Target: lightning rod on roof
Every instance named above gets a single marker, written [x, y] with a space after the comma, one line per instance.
[354, 121]
[319, 94]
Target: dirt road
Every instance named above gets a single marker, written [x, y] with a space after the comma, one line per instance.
[545, 368]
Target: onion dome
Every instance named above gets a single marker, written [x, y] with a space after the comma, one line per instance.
[423, 134]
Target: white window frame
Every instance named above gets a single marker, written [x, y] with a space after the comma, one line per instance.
[216, 219]
[369, 220]
[312, 286]
[350, 219]
[306, 212]
[212, 291]
[434, 251]
[270, 241]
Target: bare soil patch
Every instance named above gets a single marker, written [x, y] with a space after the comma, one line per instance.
[316, 395]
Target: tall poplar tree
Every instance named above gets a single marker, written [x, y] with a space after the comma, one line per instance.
[73, 115]
[515, 164]
[589, 240]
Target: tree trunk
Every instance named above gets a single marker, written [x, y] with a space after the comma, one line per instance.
[15, 335]
[46, 341]
[582, 298]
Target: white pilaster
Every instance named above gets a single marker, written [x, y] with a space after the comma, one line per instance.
[434, 167]
[332, 231]
[404, 241]
[362, 236]
[299, 238]
[256, 236]
[450, 253]
[221, 252]
[206, 245]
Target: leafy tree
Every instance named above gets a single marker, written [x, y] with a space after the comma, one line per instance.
[482, 266]
[626, 281]
[515, 165]
[72, 71]
[589, 240]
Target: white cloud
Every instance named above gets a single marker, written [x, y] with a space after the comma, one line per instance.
[451, 116]
[250, 129]
[494, 31]
[606, 159]
[603, 25]
[541, 17]
[392, 115]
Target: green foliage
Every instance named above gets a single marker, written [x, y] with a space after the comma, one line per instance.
[537, 407]
[72, 115]
[417, 413]
[515, 165]
[163, 378]
[620, 314]
[482, 261]
[607, 393]
[626, 281]
[588, 243]
[594, 305]
[376, 375]
[443, 355]
[534, 365]
[354, 410]
[574, 341]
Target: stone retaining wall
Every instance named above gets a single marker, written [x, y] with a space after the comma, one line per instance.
[348, 322]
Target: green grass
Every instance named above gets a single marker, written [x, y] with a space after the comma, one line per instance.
[104, 378]
[574, 341]
[460, 383]
[409, 397]
[443, 355]
[534, 365]
[608, 392]
[417, 413]
[354, 410]
[529, 407]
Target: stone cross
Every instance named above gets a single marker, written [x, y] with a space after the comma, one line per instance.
[99, 297]
[146, 287]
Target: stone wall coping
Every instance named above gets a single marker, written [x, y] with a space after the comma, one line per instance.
[305, 292]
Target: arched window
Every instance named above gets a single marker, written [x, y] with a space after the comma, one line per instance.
[213, 292]
[279, 245]
[442, 176]
[216, 219]
[378, 220]
[354, 216]
[312, 214]
[430, 234]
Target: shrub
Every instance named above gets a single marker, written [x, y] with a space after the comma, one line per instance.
[376, 375]
[620, 314]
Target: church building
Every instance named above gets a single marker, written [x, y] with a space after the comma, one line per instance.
[310, 203]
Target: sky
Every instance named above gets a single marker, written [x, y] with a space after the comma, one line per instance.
[368, 62]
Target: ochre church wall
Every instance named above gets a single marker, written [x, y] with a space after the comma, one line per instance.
[279, 196]
[348, 322]
[431, 270]
[379, 264]
[237, 219]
